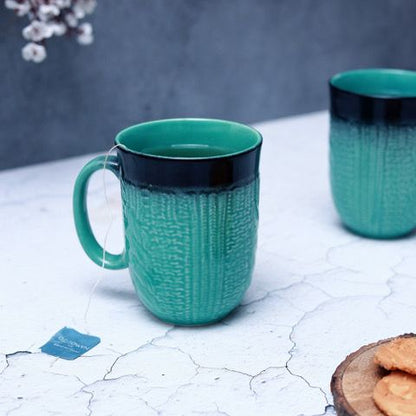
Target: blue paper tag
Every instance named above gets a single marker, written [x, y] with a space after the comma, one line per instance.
[69, 344]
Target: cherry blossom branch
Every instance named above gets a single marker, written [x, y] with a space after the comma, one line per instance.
[52, 18]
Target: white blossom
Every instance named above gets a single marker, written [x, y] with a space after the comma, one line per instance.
[48, 11]
[37, 31]
[21, 8]
[49, 18]
[34, 52]
[85, 6]
[85, 36]
[62, 4]
[71, 20]
[79, 11]
[11, 4]
[58, 29]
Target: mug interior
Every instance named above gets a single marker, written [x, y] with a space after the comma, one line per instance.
[189, 138]
[378, 82]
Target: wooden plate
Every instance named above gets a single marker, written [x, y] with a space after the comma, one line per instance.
[354, 380]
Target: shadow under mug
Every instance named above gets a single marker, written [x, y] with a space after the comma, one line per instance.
[190, 191]
[373, 150]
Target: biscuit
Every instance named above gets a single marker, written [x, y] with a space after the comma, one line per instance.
[399, 354]
[395, 394]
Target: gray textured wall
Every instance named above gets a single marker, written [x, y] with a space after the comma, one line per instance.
[247, 60]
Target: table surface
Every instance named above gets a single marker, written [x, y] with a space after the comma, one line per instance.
[318, 293]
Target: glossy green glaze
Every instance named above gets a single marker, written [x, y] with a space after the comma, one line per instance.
[82, 223]
[191, 254]
[373, 177]
[190, 235]
[194, 138]
[377, 82]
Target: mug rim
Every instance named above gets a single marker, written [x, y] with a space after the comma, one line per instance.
[383, 101]
[361, 71]
[258, 138]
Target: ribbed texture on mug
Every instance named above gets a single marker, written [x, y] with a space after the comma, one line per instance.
[373, 177]
[191, 254]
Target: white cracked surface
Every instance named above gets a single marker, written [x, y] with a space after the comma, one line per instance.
[318, 293]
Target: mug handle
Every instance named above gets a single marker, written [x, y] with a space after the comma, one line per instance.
[82, 223]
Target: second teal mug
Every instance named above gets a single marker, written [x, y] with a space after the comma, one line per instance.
[190, 190]
[373, 150]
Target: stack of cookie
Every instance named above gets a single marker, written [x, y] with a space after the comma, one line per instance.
[395, 394]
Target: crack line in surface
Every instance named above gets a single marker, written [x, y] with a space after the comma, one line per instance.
[270, 293]
[291, 352]
[389, 284]
[13, 409]
[331, 249]
[11, 354]
[197, 368]
[67, 375]
[151, 342]
[259, 374]
[219, 411]
[329, 410]
[91, 394]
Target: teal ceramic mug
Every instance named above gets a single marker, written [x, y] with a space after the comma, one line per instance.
[190, 190]
[373, 150]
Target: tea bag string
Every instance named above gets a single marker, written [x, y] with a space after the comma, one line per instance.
[110, 224]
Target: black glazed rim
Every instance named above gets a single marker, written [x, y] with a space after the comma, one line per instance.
[144, 170]
[158, 157]
[374, 109]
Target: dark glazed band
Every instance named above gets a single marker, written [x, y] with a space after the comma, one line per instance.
[144, 170]
[377, 110]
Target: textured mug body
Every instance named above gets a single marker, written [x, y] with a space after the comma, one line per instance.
[373, 151]
[373, 176]
[191, 253]
[190, 195]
